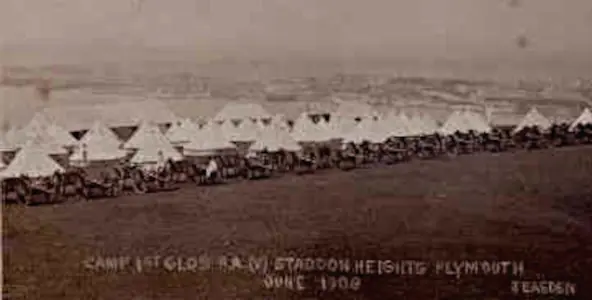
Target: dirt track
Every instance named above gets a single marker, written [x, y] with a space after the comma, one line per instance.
[532, 207]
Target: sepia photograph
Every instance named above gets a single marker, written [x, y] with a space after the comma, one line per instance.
[296, 149]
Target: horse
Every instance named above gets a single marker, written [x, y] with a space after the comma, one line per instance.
[156, 179]
[195, 172]
[367, 151]
[289, 160]
[73, 184]
[583, 134]
[392, 152]
[131, 179]
[256, 168]
[279, 160]
[490, 142]
[324, 154]
[560, 136]
[230, 165]
[179, 170]
[17, 188]
[428, 147]
[451, 146]
[467, 141]
[348, 158]
[109, 184]
[399, 149]
[46, 187]
[275, 159]
[532, 138]
[27, 192]
[306, 162]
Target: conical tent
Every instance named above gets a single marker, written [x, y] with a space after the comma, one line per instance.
[274, 139]
[339, 126]
[155, 147]
[386, 126]
[336, 127]
[394, 125]
[246, 131]
[46, 144]
[210, 139]
[533, 118]
[36, 127]
[324, 131]
[96, 151]
[266, 139]
[98, 144]
[455, 122]
[429, 125]
[174, 130]
[365, 130]
[286, 141]
[477, 122]
[31, 162]
[583, 119]
[377, 133]
[279, 121]
[144, 130]
[241, 111]
[321, 131]
[378, 129]
[303, 130]
[42, 125]
[415, 125]
[100, 132]
[182, 132]
[228, 129]
[192, 128]
[407, 125]
[361, 132]
[25, 134]
[61, 136]
[470, 121]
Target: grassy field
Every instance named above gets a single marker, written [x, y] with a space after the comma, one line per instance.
[533, 207]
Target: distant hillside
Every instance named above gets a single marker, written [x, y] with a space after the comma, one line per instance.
[207, 62]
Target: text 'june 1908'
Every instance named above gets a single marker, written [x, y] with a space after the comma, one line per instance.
[302, 273]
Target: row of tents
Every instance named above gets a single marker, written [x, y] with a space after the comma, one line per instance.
[150, 144]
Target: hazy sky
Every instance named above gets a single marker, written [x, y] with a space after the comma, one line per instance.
[466, 29]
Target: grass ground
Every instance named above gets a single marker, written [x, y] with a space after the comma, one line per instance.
[533, 207]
